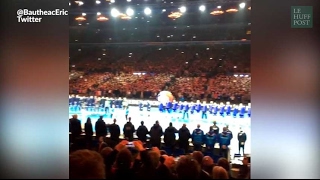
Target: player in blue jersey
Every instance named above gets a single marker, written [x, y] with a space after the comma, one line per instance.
[185, 111]
[161, 107]
[168, 107]
[127, 112]
[222, 109]
[224, 142]
[235, 111]
[198, 106]
[148, 106]
[181, 107]
[175, 106]
[204, 110]
[192, 107]
[210, 140]
[228, 109]
[211, 108]
[197, 138]
[242, 111]
[141, 106]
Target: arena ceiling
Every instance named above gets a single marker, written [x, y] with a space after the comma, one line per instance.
[141, 21]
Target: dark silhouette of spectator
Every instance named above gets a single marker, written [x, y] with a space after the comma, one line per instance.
[155, 135]
[128, 130]
[89, 132]
[184, 136]
[101, 128]
[75, 128]
[142, 132]
[86, 164]
[114, 130]
[170, 137]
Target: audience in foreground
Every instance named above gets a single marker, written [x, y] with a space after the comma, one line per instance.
[137, 162]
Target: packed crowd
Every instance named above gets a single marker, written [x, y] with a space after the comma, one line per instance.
[171, 33]
[190, 73]
[113, 158]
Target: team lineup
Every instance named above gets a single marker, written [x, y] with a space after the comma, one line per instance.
[168, 111]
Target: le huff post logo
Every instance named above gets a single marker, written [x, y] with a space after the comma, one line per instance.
[301, 17]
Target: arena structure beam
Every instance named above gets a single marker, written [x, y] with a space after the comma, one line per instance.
[225, 42]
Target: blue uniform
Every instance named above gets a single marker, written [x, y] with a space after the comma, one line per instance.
[228, 110]
[175, 107]
[249, 112]
[198, 136]
[230, 134]
[169, 106]
[148, 107]
[215, 110]
[224, 142]
[198, 108]
[193, 108]
[235, 111]
[71, 101]
[204, 112]
[211, 139]
[224, 139]
[211, 108]
[161, 107]
[185, 111]
[222, 110]
[140, 106]
[197, 139]
[181, 106]
[242, 111]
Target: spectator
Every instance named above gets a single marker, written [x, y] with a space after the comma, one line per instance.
[114, 130]
[75, 128]
[219, 173]
[128, 130]
[86, 164]
[89, 132]
[142, 132]
[101, 128]
[184, 136]
[155, 135]
[170, 138]
[207, 164]
[188, 168]
[223, 162]
[198, 138]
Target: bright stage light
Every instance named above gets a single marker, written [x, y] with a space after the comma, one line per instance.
[112, 1]
[84, 14]
[130, 12]
[128, 0]
[115, 12]
[202, 8]
[183, 9]
[98, 2]
[219, 7]
[147, 11]
[98, 13]
[242, 5]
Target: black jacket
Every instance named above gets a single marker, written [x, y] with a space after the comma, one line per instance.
[170, 136]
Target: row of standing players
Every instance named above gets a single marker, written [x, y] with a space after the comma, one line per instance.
[204, 108]
[198, 136]
[181, 107]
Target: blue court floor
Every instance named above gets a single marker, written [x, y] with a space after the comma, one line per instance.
[176, 118]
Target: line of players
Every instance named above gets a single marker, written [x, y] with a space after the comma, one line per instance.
[204, 109]
[198, 137]
[93, 103]
[106, 105]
